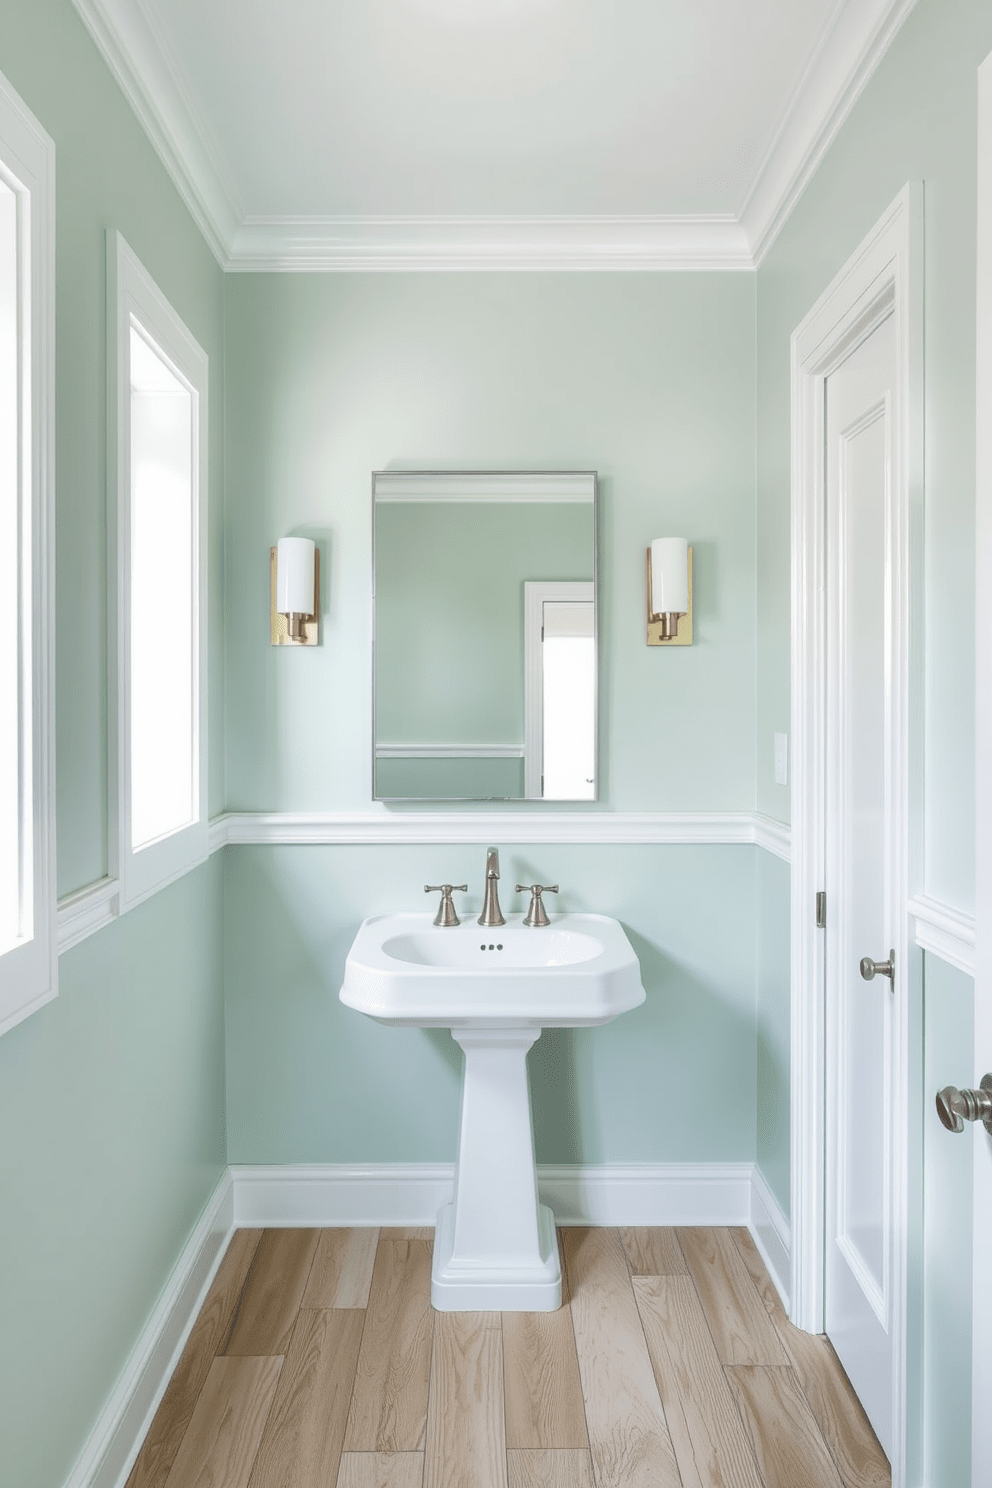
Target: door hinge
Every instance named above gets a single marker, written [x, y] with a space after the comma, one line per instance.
[821, 910]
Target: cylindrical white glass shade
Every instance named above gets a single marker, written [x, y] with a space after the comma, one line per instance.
[294, 575]
[670, 576]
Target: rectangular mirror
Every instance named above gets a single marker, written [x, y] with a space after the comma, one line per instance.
[485, 636]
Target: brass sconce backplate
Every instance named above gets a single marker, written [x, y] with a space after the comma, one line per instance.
[279, 625]
[684, 636]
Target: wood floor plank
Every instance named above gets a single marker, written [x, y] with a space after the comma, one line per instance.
[628, 1436]
[758, 1273]
[741, 1328]
[791, 1452]
[392, 1381]
[211, 1328]
[711, 1445]
[544, 1406]
[836, 1409]
[341, 1273]
[277, 1279]
[466, 1444]
[653, 1251]
[222, 1438]
[381, 1470]
[539, 1469]
[408, 1232]
[304, 1431]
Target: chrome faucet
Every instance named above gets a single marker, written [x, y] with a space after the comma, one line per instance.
[491, 913]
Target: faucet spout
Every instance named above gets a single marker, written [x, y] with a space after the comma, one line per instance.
[491, 912]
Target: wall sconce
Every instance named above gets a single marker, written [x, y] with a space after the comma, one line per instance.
[294, 584]
[669, 592]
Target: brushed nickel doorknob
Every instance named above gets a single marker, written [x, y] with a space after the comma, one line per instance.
[871, 969]
[955, 1107]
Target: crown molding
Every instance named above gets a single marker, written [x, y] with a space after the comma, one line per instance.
[451, 244]
[138, 60]
[850, 48]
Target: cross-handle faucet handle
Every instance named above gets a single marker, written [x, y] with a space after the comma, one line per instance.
[537, 915]
[445, 910]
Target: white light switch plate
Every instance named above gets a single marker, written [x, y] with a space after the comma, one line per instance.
[781, 759]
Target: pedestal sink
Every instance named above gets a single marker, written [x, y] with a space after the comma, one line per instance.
[494, 1247]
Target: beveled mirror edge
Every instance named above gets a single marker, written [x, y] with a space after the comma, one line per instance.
[404, 483]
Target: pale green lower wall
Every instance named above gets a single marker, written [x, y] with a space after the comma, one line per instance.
[111, 1141]
[773, 888]
[308, 1080]
[947, 1226]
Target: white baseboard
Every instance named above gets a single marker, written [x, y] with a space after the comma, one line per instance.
[771, 1231]
[113, 1444]
[338, 1194]
[408, 1194]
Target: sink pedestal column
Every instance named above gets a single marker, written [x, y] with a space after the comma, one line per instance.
[495, 1247]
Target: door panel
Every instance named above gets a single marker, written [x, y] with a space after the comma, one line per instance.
[859, 850]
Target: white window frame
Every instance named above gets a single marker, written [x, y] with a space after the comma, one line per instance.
[29, 971]
[536, 592]
[133, 295]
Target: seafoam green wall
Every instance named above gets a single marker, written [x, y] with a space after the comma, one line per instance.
[111, 1097]
[772, 997]
[312, 1081]
[647, 379]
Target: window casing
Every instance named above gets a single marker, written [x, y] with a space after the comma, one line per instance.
[158, 483]
[28, 952]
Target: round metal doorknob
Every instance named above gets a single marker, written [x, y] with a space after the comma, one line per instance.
[871, 969]
[955, 1107]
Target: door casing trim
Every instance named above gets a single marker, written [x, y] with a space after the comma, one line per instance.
[883, 277]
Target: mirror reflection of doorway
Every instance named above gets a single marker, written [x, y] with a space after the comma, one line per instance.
[560, 691]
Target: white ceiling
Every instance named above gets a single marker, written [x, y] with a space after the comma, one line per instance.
[492, 133]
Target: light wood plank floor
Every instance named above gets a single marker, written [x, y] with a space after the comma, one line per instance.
[318, 1362]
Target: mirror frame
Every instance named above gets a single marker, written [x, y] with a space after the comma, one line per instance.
[526, 485]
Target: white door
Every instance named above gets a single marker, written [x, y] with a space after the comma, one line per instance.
[862, 813]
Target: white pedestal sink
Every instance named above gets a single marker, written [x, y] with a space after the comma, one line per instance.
[494, 1247]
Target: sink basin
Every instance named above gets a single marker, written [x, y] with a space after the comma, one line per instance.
[577, 972]
[495, 1247]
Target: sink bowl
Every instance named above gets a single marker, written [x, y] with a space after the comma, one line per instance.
[495, 989]
[577, 972]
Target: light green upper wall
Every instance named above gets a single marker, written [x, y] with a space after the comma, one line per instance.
[648, 379]
[916, 121]
[107, 176]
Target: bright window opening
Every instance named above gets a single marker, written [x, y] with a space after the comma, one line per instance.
[162, 640]
[569, 710]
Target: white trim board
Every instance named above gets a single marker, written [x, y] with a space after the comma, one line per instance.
[87, 910]
[854, 40]
[369, 827]
[944, 932]
[112, 1446]
[411, 1194]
